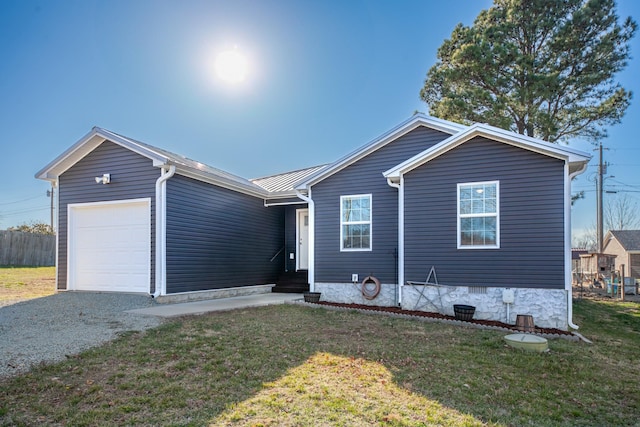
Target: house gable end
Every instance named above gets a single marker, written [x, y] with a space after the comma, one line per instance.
[577, 159]
[629, 240]
[363, 177]
[531, 210]
[415, 122]
[86, 145]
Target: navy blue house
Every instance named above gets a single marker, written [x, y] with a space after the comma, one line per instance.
[428, 215]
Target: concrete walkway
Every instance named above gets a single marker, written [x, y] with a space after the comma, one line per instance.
[222, 304]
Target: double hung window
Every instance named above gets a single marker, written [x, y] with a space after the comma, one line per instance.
[478, 215]
[355, 222]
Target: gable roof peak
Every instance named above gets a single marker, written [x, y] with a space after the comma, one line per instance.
[413, 122]
[628, 239]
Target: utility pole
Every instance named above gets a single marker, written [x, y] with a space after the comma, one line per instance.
[50, 194]
[602, 170]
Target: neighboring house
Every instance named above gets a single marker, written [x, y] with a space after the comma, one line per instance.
[488, 209]
[625, 245]
[576, 265]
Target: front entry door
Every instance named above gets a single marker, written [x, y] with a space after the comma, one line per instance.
[302, 239]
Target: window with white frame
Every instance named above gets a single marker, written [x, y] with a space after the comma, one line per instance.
[355, 222]
[479, 215]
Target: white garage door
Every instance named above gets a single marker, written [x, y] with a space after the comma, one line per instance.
[110, 246]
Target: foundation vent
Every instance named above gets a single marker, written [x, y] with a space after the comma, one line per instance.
[479, 290]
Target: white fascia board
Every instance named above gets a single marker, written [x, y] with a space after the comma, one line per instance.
[87, 144]
[403, 128]
[282, 194]
[158, 159]
[223, 182]
[534, 144]
[569, 155]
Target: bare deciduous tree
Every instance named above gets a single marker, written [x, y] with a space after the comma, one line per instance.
[621, 213]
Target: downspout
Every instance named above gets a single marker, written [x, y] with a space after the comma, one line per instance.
[161, 235]
[400, 260]
[312, 238]
[567, 251]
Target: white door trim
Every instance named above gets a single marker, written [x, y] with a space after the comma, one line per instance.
[71, 238]
[302, 242]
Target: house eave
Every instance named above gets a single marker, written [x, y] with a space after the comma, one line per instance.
[220, 181]
[402, 129]
[86, 145]
[575, 158]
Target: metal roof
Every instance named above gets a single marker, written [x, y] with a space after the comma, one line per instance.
[190, 164]
[286, 182]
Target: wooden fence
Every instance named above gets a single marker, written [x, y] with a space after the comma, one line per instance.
[21, 248]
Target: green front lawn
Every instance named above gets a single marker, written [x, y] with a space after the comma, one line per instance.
[297, 366]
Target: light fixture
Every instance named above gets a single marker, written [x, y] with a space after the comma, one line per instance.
[104, 179]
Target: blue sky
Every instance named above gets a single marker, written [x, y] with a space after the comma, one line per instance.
[324, 78]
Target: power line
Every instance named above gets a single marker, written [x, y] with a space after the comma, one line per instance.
[23, 211]
[20, 201]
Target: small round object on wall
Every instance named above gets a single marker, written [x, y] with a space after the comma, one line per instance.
[370, 287]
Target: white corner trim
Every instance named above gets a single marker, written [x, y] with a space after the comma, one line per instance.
[568, 177]
[312, 237]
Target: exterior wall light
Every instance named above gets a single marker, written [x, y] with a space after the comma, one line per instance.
[104, 179]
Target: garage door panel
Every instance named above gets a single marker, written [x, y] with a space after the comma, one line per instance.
[110, 246]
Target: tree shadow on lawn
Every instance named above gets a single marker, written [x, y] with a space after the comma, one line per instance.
[292, 365]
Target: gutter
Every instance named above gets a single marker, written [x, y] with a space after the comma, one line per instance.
[312, 238]
[161, 230]
[567, 223]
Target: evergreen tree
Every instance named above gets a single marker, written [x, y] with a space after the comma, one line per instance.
[544, 68]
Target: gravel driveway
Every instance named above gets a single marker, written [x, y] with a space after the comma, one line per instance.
[47, 329]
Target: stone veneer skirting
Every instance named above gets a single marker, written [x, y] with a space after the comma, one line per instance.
[547, 306]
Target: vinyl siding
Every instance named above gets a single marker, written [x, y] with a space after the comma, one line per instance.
[364, 177]
[218, 238]
[132, 176]
[531, 252]
[634, 260]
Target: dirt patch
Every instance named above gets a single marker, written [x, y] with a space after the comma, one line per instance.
[538, 330]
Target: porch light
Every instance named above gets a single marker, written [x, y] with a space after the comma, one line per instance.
[104, 179]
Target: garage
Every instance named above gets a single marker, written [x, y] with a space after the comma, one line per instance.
[109, 246]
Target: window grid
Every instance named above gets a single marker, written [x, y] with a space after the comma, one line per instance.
[355, 222]
[478, 215]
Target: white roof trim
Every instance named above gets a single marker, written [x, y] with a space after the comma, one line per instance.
[403, 128]
[570, 155]
[221, 181]
[87, 144]
[97, 136]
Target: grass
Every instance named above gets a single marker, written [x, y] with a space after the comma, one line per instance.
[20, 283]
[297, 366]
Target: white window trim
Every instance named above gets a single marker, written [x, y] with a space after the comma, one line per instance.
[370, 223]
[496, 215]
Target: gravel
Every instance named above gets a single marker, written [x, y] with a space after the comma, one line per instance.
[51, 328]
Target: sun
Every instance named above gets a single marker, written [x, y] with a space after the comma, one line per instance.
[231, 66]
